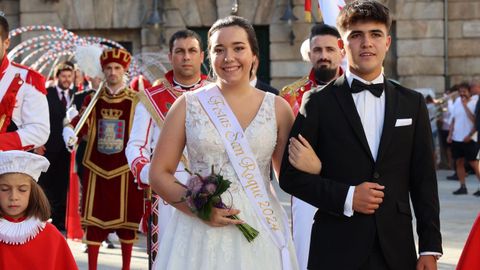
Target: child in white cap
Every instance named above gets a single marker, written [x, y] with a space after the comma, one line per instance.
[27, 240]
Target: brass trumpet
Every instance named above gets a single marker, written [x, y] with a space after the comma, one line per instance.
[442, 103]
[444, 100]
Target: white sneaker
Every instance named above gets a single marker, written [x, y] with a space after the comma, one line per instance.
[107, 244]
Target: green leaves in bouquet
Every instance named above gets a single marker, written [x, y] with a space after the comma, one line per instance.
[222, 185]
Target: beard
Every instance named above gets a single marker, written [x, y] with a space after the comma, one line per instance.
[324, 75]
[63, 86]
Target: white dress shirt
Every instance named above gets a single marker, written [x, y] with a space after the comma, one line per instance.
[116, 91]
[371, 110]
[66, 93]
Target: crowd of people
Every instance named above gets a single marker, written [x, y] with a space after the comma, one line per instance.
[353, 148]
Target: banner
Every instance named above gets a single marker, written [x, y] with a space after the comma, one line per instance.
[308, 11]
[330, 10]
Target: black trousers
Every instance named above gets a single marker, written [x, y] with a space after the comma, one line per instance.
[376, 260]
[55, 185]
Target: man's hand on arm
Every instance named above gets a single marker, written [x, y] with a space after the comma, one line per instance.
[367, 197]
[427, 262]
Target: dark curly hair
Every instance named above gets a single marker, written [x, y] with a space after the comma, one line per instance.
[363, 11]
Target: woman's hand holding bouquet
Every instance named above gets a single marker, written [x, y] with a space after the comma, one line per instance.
[203, 197]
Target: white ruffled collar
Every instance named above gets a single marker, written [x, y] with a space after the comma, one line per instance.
[18, 233]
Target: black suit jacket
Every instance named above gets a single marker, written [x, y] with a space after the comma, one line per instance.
[265, 87]
[57, 114]
[79, 97]
[328, 119]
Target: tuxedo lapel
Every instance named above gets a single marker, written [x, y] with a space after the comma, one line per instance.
[389, 121]
[71, 93]
[345, 100]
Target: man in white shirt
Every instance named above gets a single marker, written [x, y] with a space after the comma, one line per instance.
[186, 56]
[462, 130]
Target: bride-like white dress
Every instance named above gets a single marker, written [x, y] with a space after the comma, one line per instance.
[188, 243]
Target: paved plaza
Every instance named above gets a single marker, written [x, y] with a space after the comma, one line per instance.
[457, 216]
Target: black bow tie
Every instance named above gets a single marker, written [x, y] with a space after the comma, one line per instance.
[375, 89]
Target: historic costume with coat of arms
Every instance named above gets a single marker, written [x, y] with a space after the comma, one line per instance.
[111, 200]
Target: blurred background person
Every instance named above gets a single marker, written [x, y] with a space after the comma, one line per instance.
[55, 181]
[462, 128]
[444, 121]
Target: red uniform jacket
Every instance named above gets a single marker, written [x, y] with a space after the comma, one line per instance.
[48, 250]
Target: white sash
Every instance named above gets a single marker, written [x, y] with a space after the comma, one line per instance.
[246, 167]
[6, 80]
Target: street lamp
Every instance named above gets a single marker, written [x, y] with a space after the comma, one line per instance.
[288, 17]
[155, 19]
[234, 9]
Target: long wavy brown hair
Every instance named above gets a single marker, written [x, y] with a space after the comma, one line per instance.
[38, 205]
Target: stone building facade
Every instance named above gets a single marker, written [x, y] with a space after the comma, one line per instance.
[424, 31]
[423, 42]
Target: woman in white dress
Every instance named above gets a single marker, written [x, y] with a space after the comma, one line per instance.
[189, 242]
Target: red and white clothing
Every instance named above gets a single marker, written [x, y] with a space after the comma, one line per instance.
[470, 258]
[149, 115]
[23, 102]
[33, 244]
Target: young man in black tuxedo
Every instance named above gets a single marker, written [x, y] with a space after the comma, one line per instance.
[374, 141]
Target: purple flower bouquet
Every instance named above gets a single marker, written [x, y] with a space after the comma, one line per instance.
[203, 193]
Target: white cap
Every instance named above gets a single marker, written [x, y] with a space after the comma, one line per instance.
[23, 162]
[305, 49]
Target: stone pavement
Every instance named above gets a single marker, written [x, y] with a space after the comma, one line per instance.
[457, 216]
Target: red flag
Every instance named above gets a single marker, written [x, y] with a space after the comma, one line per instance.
[308, 11]
[470, 258]
[72, 222]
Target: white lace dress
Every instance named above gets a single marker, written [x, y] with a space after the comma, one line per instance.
[188, 243]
